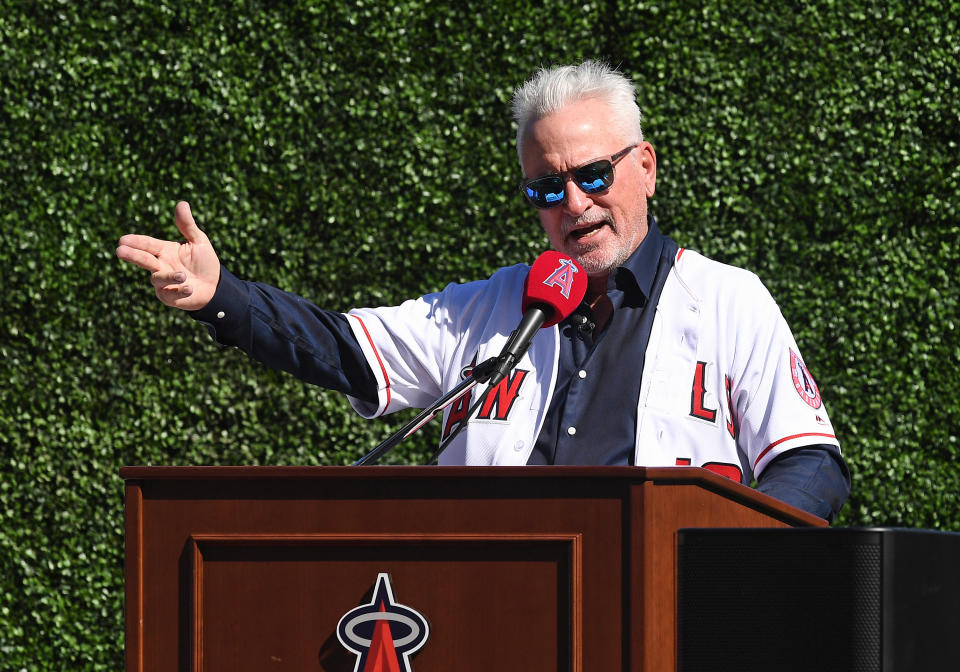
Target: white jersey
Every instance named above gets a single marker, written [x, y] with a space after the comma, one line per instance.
[723, 384]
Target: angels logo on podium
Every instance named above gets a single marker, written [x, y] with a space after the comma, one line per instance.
[383, 634]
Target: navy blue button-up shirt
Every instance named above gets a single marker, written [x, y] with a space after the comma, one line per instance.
[598, 382]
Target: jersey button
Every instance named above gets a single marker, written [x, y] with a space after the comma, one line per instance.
[582, 374]
[571, 430]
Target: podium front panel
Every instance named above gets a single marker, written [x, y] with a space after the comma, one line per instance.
[266, 600]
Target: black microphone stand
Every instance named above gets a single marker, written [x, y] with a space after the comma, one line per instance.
[473, 411]
[481, 374]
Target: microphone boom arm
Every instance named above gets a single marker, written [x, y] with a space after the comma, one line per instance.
[481, 374]
[519, 342]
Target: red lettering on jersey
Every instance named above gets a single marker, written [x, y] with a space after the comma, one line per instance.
[730, 471]
[732, 427]
[458, 413]
[499, 401]
[496, 405]
[697, 408]
[725, 469]
[460, 407]
[562, 277]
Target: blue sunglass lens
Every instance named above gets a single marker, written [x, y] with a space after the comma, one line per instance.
[595, 177]
[545, 193]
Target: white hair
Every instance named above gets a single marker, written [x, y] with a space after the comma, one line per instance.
[551, 89]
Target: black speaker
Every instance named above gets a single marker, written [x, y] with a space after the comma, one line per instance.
[850, 599]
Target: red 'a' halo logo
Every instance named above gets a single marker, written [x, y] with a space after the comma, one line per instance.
[803, 381]
[383, 633]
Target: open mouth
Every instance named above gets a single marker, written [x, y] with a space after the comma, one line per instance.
[585, 232]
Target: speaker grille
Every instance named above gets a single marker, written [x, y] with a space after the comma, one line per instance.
[770, 602]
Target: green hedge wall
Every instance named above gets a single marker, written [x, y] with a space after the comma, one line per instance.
[360, 153]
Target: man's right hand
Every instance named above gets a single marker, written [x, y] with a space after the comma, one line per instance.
[184, 275]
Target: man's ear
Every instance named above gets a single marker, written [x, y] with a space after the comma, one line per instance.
[647, 160]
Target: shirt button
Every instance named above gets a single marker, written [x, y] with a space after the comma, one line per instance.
[221, 315]
[582, 373]
[571, 430]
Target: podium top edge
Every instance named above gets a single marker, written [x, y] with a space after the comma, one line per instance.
[677, 475]
[133, 473]
[656, 475]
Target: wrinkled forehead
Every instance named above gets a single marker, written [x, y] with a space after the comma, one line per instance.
[571, 136]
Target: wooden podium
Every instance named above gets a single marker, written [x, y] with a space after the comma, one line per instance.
[529, 568]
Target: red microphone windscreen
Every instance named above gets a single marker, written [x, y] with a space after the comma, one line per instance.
[557, 282]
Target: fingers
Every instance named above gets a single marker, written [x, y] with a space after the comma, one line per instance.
[176, 296]
[187, 225]
[147, 244]
[169, 295]
[136, 255]
[163, 279]
[169, 286]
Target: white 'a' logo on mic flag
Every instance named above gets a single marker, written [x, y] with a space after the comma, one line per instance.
[562, 277]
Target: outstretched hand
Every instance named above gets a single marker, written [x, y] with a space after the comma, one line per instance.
[184, 275]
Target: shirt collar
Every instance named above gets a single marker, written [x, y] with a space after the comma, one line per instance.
[635, 277]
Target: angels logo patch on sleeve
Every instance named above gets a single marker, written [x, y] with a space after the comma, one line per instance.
[803, 381]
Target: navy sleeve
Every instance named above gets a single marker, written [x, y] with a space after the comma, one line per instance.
[813, 478]
[288, 333]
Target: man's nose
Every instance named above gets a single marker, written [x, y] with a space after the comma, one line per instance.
[577, 200]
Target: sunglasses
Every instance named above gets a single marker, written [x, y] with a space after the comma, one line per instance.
[549, 191]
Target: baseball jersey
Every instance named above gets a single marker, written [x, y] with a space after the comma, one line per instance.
[723, 383]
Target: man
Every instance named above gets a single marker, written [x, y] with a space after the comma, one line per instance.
[672, 358]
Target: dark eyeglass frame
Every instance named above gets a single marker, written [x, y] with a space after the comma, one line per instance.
[598, 168]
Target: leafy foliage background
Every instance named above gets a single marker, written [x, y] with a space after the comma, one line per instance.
[360, 153]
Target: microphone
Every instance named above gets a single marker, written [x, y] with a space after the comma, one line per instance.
[553, 289]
